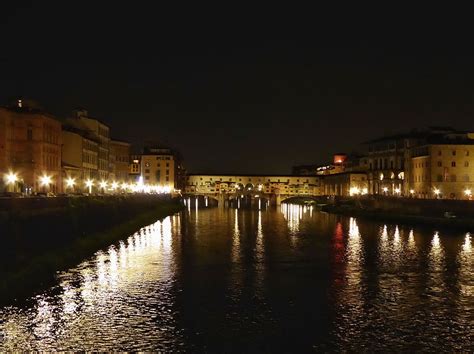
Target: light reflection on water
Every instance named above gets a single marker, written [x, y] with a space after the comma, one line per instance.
[266, 280]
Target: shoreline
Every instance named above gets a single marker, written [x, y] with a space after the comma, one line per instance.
[458, 224]
[40, 270]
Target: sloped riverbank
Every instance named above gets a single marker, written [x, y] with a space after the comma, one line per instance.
[37, 243]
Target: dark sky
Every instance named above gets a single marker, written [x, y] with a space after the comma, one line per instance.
[239, 88]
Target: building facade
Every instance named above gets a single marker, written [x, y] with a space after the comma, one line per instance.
[30, 149]
[443, 168]
[161, 166]
[344, 184]
[80, 154]
[121, 156]
[102, 132]
[269, 184]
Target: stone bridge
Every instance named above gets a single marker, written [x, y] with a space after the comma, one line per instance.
[257, 191]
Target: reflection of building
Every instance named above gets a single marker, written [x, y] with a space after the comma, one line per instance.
[121, 165]
[30, 146]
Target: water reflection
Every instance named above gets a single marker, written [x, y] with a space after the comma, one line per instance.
[101, 294]
[349, 285]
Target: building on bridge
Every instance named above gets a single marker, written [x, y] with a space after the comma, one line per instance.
[283, 186]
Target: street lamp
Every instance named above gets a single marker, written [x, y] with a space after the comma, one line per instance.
[397, 190]
[468, 193]
[437, 192]
[114, 185]
[103, 185]
[70, 182]
[89, 184]
[11, 178]
[45, 181]
[385, 189]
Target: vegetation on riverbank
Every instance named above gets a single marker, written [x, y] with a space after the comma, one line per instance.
[26, 269]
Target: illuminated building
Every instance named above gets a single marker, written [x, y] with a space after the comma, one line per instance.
[162, 166]
[102, 132]
[120, 154]
[443, 167]
[349, 183]
[268, 184]
[80, 152]
[30, 146]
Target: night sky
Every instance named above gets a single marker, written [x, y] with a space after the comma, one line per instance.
[239, 89]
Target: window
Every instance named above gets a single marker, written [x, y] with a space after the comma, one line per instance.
[439, 178]
[391, 163]
[147, 170]
[467, 152]
[167, 178]
[466, 163]
[168, 172]
[439, 152]
[453, 178]
[440, 164]
[453, 164]
[29, 133]
[465, 178]
[454, 152]
[167, 164]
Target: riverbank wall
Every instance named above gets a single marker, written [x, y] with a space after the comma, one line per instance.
[37, 242]
[438, 213]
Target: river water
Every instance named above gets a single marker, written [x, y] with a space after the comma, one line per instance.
[291, 279]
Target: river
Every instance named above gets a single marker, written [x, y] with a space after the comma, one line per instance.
[290, 279]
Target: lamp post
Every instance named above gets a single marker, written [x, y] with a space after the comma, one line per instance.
[89, 184]
[45, 181]
[103, 185]
[70, 182]
[11, 179]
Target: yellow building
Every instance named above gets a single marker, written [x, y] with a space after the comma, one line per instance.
[79, 154]
[102, 132]
[345, 184]
[160, 166]
[443, 170]
[269, 184]
[120, 154]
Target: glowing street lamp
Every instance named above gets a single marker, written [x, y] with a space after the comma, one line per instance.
[70, 182]
[436, 192]
[103, 185]
[468, 193]
[397, 190]
[89, 184]
[412, 191]
[385, 189]
[45, 181]
[11, 178]
[114, 185]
